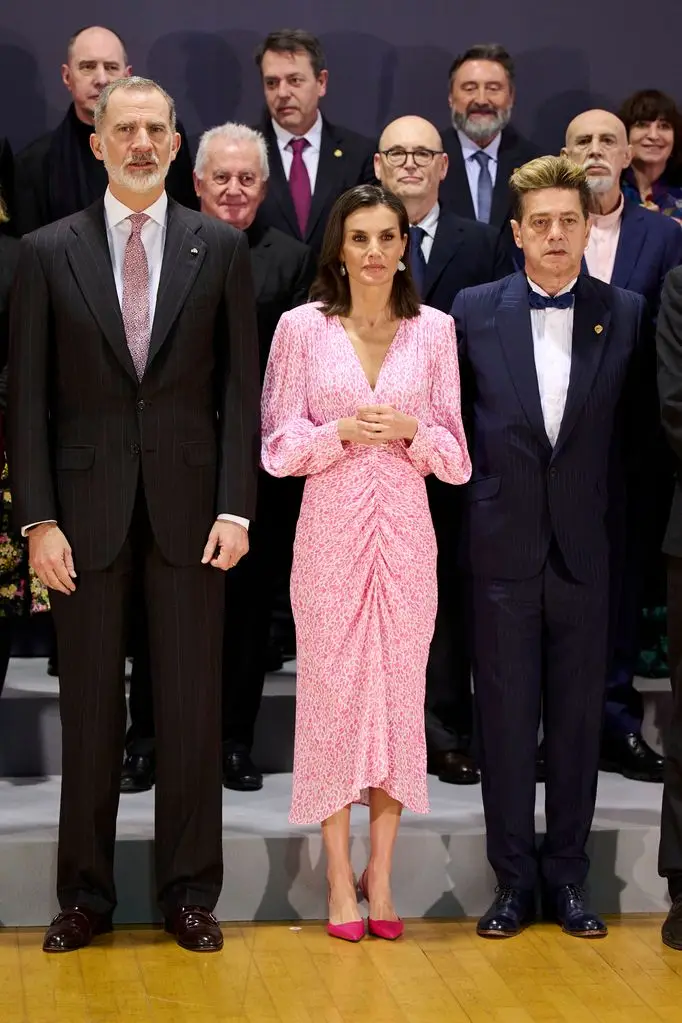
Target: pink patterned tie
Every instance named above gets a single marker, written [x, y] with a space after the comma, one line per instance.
[136, 294]
[299, 183]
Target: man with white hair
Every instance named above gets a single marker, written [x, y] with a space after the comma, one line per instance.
[633, 248]
[230, 176]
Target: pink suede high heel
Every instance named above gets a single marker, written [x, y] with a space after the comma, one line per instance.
[353, 931]
[388, 929]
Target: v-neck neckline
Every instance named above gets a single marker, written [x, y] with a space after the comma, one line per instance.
[359, 361]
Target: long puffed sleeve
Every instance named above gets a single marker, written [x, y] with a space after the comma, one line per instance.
[292, 444]
[439, 445]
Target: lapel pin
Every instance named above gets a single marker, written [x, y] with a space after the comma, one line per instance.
[338, 152]
[598, 328]
[194, 252]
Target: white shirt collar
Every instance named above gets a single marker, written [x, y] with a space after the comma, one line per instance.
[469, 147]
[429, 223]
[314, 136]
[536, 287]
[115, 212]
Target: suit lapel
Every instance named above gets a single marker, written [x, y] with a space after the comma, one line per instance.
[512, 321]
[259, 246]
[183, 254]
[588, 346]
[499, 211]
[630, 242]
[278, 186]
[326, 178]
[446, 244]
[458, 182]
[87, 251]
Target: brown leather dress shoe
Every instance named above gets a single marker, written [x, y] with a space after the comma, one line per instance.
[75, 928]
[455, 768]
[195, 929]
[671, 932]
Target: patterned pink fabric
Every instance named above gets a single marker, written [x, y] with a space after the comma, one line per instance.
[135, 305]
[363, 583]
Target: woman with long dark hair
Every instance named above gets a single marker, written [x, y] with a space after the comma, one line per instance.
[654, 126]
[361, 395]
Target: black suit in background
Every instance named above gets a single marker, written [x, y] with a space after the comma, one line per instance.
[58, 174]
[455, 193]
[669, 350]
[464, 253]
[283, 271]
[6, 177]
[135, 473]
[9, 255]
[536, 542]
[346, 160]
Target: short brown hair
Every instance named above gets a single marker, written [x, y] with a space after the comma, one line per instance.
[331, 287]
[485, 51]
[294, 40]
[549, 172]
[653, 105]
[132, 84]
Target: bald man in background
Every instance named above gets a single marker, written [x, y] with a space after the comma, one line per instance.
[447, 253]
[57, 174]
[633, 248]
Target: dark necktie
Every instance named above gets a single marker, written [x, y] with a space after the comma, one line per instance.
[417, 261]
[299, 184]
[485, 186]
[536, 301]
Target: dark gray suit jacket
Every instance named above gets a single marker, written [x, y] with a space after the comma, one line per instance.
[83, 430]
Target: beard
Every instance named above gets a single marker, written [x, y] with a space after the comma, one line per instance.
[599, 185]
[136, 182]
[481, 130]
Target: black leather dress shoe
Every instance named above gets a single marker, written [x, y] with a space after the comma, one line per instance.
[195, 929]
[511, 911]
[671, 931]
[454, 768]
[240, 773]
[75, 928]
[138, 773]
[566, 906]
[631, 756]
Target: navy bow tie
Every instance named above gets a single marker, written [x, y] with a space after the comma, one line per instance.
[537, 301]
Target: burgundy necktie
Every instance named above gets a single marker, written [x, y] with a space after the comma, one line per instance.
[299, 183]
[135, 305]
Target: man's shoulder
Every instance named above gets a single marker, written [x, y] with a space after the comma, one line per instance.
[284, 245]
[656, 224]
[488, 293]
[514, 142]
[34, 152]
[53, 233]
[472, 230]
[342, 136]
[620, 300]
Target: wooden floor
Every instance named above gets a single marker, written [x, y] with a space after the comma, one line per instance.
[438, 973]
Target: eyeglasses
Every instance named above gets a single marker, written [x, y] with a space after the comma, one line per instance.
[397, 156]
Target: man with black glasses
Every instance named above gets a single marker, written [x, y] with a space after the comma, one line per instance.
[447, 253]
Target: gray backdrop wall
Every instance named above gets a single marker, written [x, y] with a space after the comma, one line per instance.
[386, 57]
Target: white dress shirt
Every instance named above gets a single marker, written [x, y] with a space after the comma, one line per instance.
[429, 225]
[552, 347]
[311, 153]
[600, 253]
[473, 169]
[153, 236]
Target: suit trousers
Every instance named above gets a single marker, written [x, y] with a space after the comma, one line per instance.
[538, 642]
[251, 589]
[448, 672]
[670, 848]
[184, 614]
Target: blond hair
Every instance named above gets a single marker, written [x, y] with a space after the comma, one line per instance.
[4, 217]
[549, 172]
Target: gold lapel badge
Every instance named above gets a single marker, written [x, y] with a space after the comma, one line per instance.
[598, 328]
[338, 152]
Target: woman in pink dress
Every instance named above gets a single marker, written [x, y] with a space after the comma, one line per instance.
[361, 396]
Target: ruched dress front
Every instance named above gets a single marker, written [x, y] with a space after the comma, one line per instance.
[363, 583]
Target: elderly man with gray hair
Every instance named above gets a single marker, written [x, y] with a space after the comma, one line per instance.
[230, 176]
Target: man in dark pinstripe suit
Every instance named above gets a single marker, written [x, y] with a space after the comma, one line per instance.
[550, 361]
[134, 442]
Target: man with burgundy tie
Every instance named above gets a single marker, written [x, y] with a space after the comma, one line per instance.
[551, 364]
[312, 162]
[134, 435]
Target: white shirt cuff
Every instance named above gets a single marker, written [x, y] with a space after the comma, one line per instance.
[25, 529]
[235, 518]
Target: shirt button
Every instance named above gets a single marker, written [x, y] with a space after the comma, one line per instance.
[140, 406]
[553, 473]
[134, 449]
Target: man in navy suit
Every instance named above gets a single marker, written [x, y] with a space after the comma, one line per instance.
[448, 253]
[547, 359]
[633, 248]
